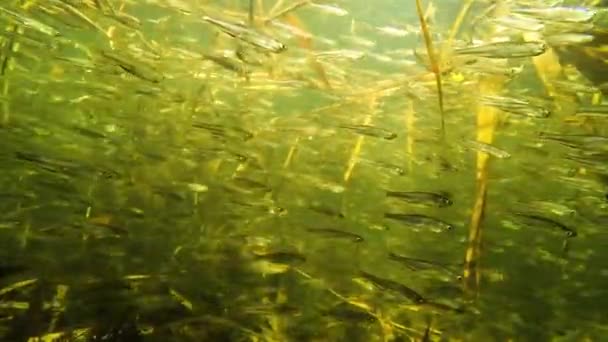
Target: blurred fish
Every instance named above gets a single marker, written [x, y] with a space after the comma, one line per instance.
[336, 234]
[520, 22]
[545, 221]
[249, 184]
[348, 313]
[393, 286]
[134, 67]
[390, 167]
[487, 67]
[330, 9]
[372, 131]
[577, 14]
[489, 149]
[562, 39]
[505, 49]
[227, 63]
[284, 257]
[552, 207]
[340, 54]
[576, 87]
[30, 23]
[416, 264]
[248, 56]
[273, 309]
[276, 262]
[393, 31]
[593, 110]
[224, 131]
[248, 35]
[420, 197]
[559, 27]
[421, 221]
[515, 106]
[576, 140]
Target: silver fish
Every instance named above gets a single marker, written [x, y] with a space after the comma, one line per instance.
[248, 35]
[505, 49]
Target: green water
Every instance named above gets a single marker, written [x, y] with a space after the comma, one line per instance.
[143, 209]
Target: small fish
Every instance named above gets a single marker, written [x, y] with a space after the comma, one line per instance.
[263, 206]
[557, 27]
[326, 211]
[414, 264]
[346, 54]
[576, 87]
[250, 184]
[224, 131]
[350, 313]
[420, 197]
[520, 22]
[336, 233]
[248, 35]
[371, 131]
[489, 149]
[393, 31]
[505, 49]
[548, 222]
[125, 19]
[30, 23]
[366, 43]
[392, 168]
[248, 56]
[330, 9]
[276, 309]
[291, 30]
[283, 257]
[576, 140]
[134, 67]
[566, 14]
[391, 285]
[196, 187]
[593, 110]
[563, 39]
[494, 69]
[423, 221]
[227, 63]
[552, 207]
[515, 106]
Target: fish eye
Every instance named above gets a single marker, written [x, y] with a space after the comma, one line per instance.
[449, 227]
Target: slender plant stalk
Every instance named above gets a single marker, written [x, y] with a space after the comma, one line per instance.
[486, 124]
[433, 59]
[447, 45]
